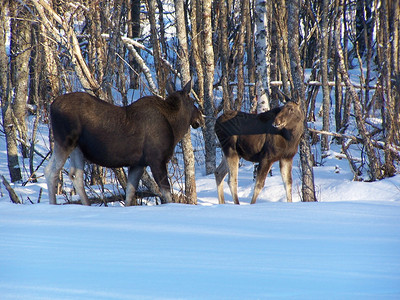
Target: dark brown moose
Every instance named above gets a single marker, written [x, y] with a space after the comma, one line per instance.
[142, 134]
[263, 138]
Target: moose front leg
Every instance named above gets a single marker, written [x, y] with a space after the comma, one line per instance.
[286, 173]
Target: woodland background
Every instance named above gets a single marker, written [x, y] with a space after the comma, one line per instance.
[237, 52]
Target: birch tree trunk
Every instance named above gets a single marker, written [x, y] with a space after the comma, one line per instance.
[134, 32]
[280, 13]
[224, 54]
[308, 189]
[324, 73]
[187, 148]
[240, 53]
[394, 28]
[195, 20]
[262, 56]
[21, 44]
[161, 80]
[389, 116]
[374, 166]
[251, 66]
[208, 60]
[5, 96]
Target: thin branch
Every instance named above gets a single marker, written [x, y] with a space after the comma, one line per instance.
[378, 144]
[13, 196]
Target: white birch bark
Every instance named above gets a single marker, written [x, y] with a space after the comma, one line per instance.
[262, 54]
[187, 148]
[208, 60]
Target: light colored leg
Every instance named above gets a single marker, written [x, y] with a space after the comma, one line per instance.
[286, 173]
[233, 165]
[134, 175]
[76, 172]
[262, 172]
[220, 174]
[52, 170]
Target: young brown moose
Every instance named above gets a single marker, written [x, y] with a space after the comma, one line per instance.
[264, 138]
[142, 134]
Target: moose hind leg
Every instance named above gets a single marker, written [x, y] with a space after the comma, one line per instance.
[76, 174]
[233, 165]
[134, 175]
[220, 174]
[262, 172]
[160, 175]
[53, 169]
[286, 173]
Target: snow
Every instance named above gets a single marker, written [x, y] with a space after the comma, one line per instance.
[346, 246]
[278, 250]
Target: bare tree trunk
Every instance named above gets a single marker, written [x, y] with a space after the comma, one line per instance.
[308, 189]
[208, 60]
[195, 20]
[262, 54]
[240, 54]
[21, 45]
[70, 41]
[187, 148]
[161, 78]
[375, 170]
[5, 96]
[394, 28]
[324, 74]
[280, 12]
[389, 116]
[134, 32]
[251, 66]
[224, 54]
[339, 101]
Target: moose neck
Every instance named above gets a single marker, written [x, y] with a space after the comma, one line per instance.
[179, 117]
[292, 132]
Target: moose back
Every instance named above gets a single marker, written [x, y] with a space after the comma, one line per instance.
[264, 138]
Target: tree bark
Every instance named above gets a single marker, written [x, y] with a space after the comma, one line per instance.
[324, 74]
[262, 55]
[208, 61]
[21, 45]
[308, 189]
[195, 20]
[161, 78]
[389, 104]
[240, 54]
[224, 56]
[374, 166]
[280, 13]
[187, 148]
[251, 66]
[5, 96]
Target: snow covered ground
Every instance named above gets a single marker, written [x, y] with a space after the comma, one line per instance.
[346, 246]
[328, 250]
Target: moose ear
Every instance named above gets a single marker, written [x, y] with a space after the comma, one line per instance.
[188, 87]
[170, 87]
[282, 94]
